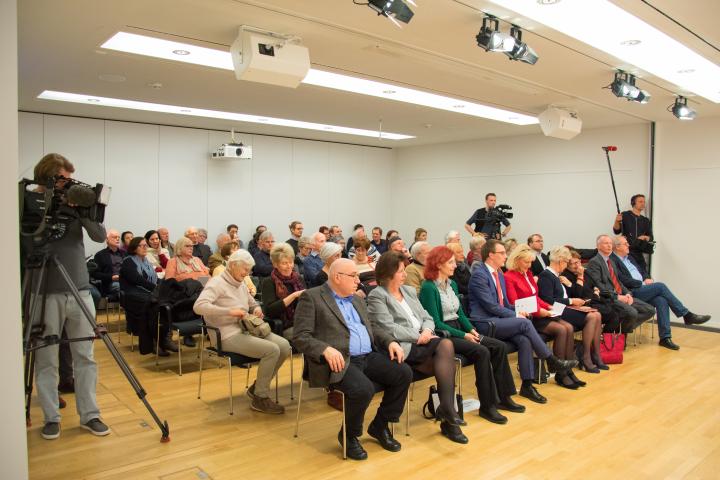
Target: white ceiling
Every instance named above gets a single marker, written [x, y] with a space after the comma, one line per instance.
[59, 50]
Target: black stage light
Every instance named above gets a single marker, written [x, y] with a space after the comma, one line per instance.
[681, 110]
[521, 51]
[623, 86]
[491, 38]
[395, 10]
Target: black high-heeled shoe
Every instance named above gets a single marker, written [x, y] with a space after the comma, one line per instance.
[564, 381]
[598, 361]
[453, 432]
[450, 418]
[575, 379]
[587, 368]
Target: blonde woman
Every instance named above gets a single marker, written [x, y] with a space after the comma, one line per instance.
[183, 265]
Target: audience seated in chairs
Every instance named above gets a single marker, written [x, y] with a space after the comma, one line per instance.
[125, 238]
[280, 291]
[453, 236]
[349, 355]
[232, 230]
[491, 312]
[414, 275]
[156, 254]
[296, 231]
[217, 257]
[313, 263]
[200, 250]
[184, 265]
[305, 245]
[263, 264]
[224, 301]
[339, 240]
[552, 289]
[370, 251]
[633, 276]
[137, 283]
[365, 264]
[474, 257]
[377, 241]
[108, 261]
[542, 261]
[328, 254]
[394, 309]
[461, 276]
[493, 378]
[227, 250]
[253, 243]
[165, 241]
[600, 273]
[397, 244]
[520, 283]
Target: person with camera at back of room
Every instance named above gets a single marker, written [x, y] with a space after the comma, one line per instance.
[61, 308]
[487, 220]
[637, 228]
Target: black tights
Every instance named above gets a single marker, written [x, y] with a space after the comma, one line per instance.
[442, 365]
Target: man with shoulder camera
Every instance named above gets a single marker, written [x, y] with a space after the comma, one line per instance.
[486, 222]
[61, 310]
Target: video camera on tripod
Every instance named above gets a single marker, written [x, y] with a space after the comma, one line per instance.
[44, 216]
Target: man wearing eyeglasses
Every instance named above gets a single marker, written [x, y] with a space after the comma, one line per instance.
[634, 277]
[343, 352]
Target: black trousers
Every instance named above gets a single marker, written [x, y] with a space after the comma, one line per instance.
[493, 378]
[366, 375]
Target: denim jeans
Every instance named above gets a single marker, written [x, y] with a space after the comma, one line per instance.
[659, 296]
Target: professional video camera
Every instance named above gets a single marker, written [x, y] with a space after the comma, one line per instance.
[44, 216]
[498, 214]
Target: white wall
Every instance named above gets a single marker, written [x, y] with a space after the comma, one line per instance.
[13, 454]
[687, 177]
[558, 188]
[163, 176]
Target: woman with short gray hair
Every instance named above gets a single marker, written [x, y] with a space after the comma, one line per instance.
[224, 302]
[281, 290]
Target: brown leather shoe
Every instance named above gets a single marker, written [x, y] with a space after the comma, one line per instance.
[265, 405]
[334, 399]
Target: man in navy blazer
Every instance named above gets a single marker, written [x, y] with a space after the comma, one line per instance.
[636, 279]
[488, 304]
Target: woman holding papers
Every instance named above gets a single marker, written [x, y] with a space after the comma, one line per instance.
[521, 288]
[552, 289]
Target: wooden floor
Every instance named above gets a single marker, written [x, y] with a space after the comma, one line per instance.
[655, 416]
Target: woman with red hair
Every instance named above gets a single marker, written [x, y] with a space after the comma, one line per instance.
[493, 378]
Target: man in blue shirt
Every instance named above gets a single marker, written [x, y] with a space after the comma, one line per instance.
[343, 352]
[634, 277]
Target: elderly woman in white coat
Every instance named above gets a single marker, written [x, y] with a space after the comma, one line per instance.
[395, 308]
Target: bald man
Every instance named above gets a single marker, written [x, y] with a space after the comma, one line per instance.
[108, 261]
[343, 352]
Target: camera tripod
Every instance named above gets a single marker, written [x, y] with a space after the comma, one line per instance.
[37, 268]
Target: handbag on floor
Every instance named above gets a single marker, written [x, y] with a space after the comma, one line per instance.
[433, 402]
[611, 347]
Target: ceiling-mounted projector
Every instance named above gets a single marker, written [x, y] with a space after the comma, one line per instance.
[266, 57]
[233, 150]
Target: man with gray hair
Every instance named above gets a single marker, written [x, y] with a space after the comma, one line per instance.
[416, 270]
[263, 265]
[474, 256]
[453, 236]
[342, 351]
[313, 263]
[200, 250]
[216, 259]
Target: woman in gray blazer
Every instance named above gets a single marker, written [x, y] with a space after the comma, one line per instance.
[395, 309]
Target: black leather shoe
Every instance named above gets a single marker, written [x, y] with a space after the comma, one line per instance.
[453, 432]
[565, 381]
[189, 342]
[509, 405]
[382, 434]
[556, 365]
[531, 393]
[575, 379]
[693, 319]
[450, 418]
[492, 415]
[668, 343]
[598, 361]
[354, 448]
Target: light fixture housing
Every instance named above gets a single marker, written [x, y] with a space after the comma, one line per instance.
[623, 86]
[521, 51]
[681, 110]
[396, 10]
[491, 39]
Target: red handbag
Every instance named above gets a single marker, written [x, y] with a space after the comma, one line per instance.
[611, 347]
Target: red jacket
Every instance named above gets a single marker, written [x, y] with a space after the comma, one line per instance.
[517, 287]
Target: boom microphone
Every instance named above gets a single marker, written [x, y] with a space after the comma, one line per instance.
[610, 148]
[81, 196]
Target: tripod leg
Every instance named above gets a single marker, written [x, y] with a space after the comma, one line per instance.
[103, 335]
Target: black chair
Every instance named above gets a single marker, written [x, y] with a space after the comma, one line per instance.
[233, 359]
[184, 328]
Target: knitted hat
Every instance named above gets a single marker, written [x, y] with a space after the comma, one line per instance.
[328, 250]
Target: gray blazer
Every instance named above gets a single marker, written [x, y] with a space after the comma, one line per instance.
[597, 270]
[387, 315]
[319, 323]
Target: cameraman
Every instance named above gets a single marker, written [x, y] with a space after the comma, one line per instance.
[636, 228]
[62, 311]
[485, 227]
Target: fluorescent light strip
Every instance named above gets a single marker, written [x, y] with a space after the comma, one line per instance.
[607, 27]
[199, 112]
[158, 48]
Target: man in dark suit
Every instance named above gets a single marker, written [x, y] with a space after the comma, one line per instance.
[634, 277]
[542, 261]
[343, 352]
[108, 261]
[489, 304]
[601, 273]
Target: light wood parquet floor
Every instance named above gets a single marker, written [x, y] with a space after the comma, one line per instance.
[655, 416]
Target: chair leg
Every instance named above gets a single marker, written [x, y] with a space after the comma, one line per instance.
[230, 382]
[458, 376]
[277, 398]
[291, 375]
[179, 355]
[132, 342]
[297, 415]
[344, 427]
[412, 390]
[407, 416]
[157, 345]
[202, 346]
[247, 378]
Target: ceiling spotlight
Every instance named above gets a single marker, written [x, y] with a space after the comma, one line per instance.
[395, 10]
[521, 51]
[492, 39]
[623, 86]
[681, 110]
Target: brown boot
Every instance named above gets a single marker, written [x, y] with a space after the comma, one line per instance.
[265, 405]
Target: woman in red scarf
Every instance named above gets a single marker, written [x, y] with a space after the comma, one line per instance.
[282, 288]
